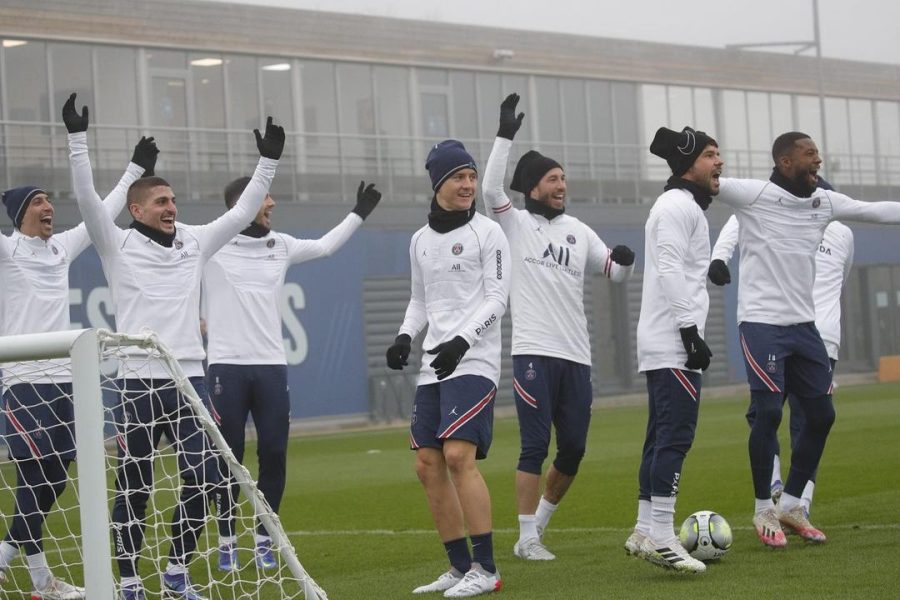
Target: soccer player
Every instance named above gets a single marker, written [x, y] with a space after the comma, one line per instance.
[247, 365]
[154, 269]
[38, 413]
[670, 346]
[833, 262]
[460, 283]
[782, 222]
[551, 252]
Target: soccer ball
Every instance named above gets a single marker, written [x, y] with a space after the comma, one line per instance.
[706, 535]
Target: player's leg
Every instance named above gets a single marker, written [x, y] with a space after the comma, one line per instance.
[532, 382]
[443, 503]
[776, 485]
[200, 478]
[230, 398]
[676, 395]
[642, 526]
[271, 409]
[466, 429]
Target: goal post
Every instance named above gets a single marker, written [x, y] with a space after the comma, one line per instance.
[90, 350]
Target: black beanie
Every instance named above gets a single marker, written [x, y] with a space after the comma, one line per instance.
[530, 169]
[680, 148]
[445, 159]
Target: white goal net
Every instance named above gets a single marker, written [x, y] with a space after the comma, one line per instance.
[146, 444]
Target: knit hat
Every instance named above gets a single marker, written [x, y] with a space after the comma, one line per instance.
[680, 148]
[445, 159]
[16, 201]
[530, 169]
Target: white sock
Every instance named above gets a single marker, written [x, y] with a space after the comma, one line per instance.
[132, 582]
[545, 510]
[262, 538]
[227, 540]
[788, 502]
[173, 569]
[8, 553]
[40, 572]
[527, 527]
[806, 498]
[662, 518]
[776, 470]
[643, 520]
[763, 505]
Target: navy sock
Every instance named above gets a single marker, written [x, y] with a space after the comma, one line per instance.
[458, 553]
[483, 551]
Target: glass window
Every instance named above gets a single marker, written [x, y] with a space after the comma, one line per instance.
[357, 116]
[654, 104]
[735, 120]
[575, 110]
[600, 107]
[888, 114]
[166, 59]
[116, 70]
[435, 115]
[627, 129]
[862, 131]
[488, 86]
[465, 115]
[836, 120]
[704, 111]
[758, 113]
[71, 65]
[209, 95]
[681, 107]
[320, 117]
[428, 77]
[781, 114]
[26, 65]
[243, 92]
[278, 97]
[809, 116]
[549, 119]
[393, 118]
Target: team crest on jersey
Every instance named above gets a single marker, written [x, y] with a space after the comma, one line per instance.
[570, 238]
[816, 202]
[54, 250]
[457, 249]
[178, 244]
[771, 367]
[270, 244]
[530, 374]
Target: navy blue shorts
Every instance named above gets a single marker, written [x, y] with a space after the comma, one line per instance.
[461, 408]
[40, 420]
[786, 359]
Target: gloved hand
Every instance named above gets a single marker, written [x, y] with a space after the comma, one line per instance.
[448, 356]
[622, 255]
[367, 198]
[509, 122]
[74, 122]
[145, 153]
[398, 353]
[697, 350]
[719, 273]
[272, 145]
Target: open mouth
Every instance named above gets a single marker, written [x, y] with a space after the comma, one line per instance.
[48, 220]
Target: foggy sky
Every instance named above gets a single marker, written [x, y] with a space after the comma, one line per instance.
[851, 29]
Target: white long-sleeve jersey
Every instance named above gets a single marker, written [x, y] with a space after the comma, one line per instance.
[778, 236]
[34, 285]
[549, 261]
[460, 285]
[242, 285]
[154, 287]
[673, 296]
[833, 262]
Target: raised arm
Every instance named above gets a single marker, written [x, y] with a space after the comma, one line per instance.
[740, 193]
[495, 198]
[367, 198]
[846, 208]
[216, 234]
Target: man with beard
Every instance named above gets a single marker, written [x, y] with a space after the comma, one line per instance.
[551, 252]
[670, 346]
[459, 265]
[781, 223]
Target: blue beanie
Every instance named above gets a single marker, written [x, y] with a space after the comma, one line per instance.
[16, 201]
[445, 159]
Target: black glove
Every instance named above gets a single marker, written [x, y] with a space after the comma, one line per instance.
[367, 198]
[448, 356]
[74, 122]
[509, 122]
[399, 352]
[622, 255]
[719, 273]
[145, 153]
[272, 145]
[697, 350]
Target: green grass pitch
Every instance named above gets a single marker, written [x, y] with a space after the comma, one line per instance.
[357, 516]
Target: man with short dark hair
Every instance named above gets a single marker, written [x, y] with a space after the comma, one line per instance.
[247, 372]
[670, 346]
[154, 269]
[459, 266]
[551, 252]
[781, 223]
[34, 271]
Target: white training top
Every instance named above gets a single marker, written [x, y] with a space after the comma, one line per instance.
[549, 262]
[674, 296]
[460, 283]
[34, 286]
[153, 287]
[778, 236]
[833, 262]
[242, 286]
